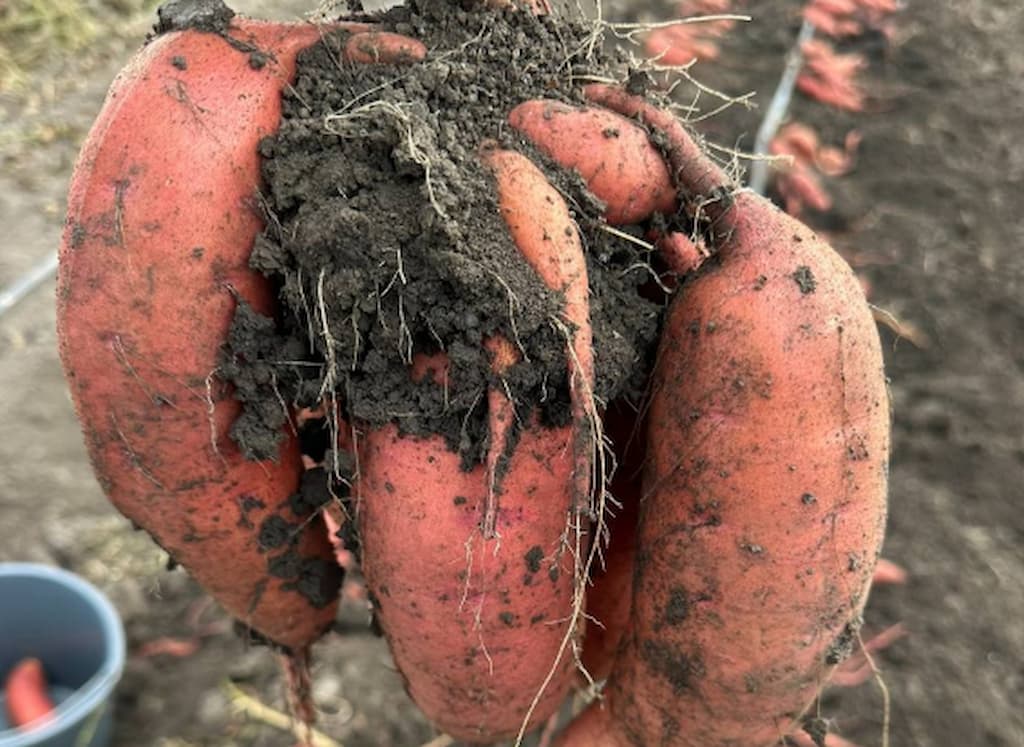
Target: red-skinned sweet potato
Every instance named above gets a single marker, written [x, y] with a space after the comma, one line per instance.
[611, 153]
[502, 576]
[472, 570]
[764, 497]
[154, 255]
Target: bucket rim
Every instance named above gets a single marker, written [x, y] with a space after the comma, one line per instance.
[97, 689]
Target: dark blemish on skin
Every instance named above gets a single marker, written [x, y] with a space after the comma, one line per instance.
[638, 83]
[536, 619]
[808, 499]
[389, 487]
[842, 647]
[760, 282]
[179, 62]
[817, 729]
[610, 132]
[285, 565]
[553, 573]
[670, 729]
[507, 618]
[858, 451]
[533, 558]
[187, 484]
[318, 581]
[274, 533]
[258, 60]
[805, 279]
[78, 235]
[247, 503]
[678, 606]
[314, 492]
[672, 665]
[460, 500]
[198, 252]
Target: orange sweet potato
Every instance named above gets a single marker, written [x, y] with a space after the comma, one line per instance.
[612, 154]
[764, 497]
[472, 571]
[155, 254]
[154, 258]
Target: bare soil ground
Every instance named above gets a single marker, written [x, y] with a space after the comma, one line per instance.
[932, 213]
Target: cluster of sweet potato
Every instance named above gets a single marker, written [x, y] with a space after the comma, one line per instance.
[754, 506]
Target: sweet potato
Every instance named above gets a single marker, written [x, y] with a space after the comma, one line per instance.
[26, 694]
[153, 258]
[472, 573]
[612, 154]
[764, 497]
[383, 47]
[161, 222]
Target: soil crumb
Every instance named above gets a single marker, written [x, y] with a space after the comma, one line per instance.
[392, 260]
[204, 15]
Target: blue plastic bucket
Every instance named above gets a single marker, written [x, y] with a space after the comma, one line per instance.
[59, 618]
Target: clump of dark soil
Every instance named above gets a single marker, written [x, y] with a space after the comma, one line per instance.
[386, 243]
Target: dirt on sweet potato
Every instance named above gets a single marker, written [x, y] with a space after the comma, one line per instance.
[385, 240]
